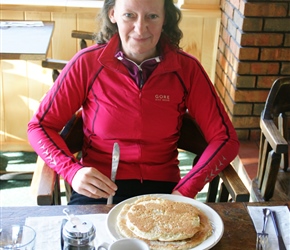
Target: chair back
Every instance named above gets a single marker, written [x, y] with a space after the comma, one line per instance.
[278, 100]
[73, 133]
[191, 138]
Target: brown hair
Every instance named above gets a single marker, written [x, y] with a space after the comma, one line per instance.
[171, 29]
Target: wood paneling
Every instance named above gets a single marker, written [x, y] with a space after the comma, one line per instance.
[14, 89]
[11, 15]
[210, 31]
[62, 45]
[191, 27]
[88, 21]
[200, 35]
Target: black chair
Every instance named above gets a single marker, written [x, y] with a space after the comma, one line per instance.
[46, 182]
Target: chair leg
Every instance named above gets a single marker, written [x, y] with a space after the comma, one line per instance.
[55, 74]
[283, 128]
[223, 193]
[265, 148]
[83, 44]
[255, 192]
[270, 177]
[56, 192]
[68, 191]
[261, 163]
[213, 189]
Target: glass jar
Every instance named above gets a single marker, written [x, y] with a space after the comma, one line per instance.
[78, 234]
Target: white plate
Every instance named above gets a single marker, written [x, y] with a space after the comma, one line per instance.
[215, 219]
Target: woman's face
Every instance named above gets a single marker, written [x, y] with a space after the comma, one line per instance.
[139, 25]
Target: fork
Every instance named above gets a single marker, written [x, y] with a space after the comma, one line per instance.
[262, 238]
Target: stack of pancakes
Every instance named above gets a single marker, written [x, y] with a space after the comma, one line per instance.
[164, 224]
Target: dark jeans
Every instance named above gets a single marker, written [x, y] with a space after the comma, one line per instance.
[126, 189]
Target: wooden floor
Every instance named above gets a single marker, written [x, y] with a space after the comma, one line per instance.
[249, 155]
[246, 164]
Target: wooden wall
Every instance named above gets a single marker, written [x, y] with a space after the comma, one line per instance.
[23, 83]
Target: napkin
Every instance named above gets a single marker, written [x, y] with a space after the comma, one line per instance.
[48, 230]
[283, 216]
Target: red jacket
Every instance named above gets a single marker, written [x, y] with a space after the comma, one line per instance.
[145, 122]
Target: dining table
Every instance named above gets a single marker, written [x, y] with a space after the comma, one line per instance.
[239, 231]
[25, 40]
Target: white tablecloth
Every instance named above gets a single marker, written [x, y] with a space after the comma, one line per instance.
[283, 216]
[48, 230]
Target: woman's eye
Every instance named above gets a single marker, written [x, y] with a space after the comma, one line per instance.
[128, 15]
[153, 16]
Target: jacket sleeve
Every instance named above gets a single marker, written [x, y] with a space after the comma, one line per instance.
[59, 104]
[205, 107]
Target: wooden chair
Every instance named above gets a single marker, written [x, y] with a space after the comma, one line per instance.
[46, 182]
[273, 144]
[56, 64]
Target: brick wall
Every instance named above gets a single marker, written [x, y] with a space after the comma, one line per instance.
[253, 50]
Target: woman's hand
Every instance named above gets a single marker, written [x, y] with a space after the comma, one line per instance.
[92, 183]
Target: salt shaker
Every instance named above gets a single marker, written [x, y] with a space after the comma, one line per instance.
[77, 234]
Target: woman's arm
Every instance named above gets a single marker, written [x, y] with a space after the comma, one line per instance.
[205, 107]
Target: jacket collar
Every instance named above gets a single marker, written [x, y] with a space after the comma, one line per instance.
[107, 58]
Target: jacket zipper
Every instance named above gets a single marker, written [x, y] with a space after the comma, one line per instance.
[141, 78]
[140, 71]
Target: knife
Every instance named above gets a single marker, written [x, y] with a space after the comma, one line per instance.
[278, 233]
[115, 163]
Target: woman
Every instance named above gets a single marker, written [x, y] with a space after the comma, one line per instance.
[133, 88]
